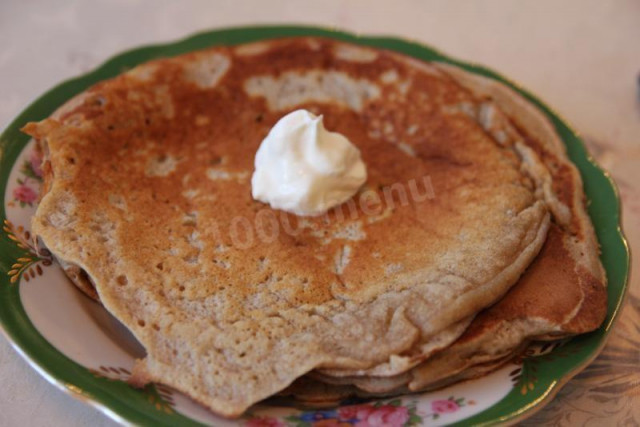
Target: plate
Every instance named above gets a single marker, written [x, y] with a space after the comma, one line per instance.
[80, 348]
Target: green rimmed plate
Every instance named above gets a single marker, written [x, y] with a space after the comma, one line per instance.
[76, 345]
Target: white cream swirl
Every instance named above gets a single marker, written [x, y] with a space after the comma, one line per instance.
[305, 169]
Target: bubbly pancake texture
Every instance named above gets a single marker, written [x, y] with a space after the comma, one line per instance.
[149, 200]
[562, 293]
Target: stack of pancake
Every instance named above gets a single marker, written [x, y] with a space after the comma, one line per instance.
[469, 239]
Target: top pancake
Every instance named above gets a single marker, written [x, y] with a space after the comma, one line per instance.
[149, 195]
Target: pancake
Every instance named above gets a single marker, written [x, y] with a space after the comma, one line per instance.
[562, 293]
[313, 393]
[148, 201]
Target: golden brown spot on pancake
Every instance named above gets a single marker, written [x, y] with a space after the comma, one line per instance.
[202, 120]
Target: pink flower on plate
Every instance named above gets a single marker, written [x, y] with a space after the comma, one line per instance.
[382, 416]
[35, 159]
[355, 412]
[444, 406]
[25, 194]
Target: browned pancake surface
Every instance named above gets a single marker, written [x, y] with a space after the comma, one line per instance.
[563, 292]
[150, 196]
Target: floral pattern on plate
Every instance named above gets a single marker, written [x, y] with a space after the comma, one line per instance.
[28, 189]
[382, 413]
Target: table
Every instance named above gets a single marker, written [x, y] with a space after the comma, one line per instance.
[581, 57]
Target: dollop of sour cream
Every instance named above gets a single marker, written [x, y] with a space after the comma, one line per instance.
[303, 168]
